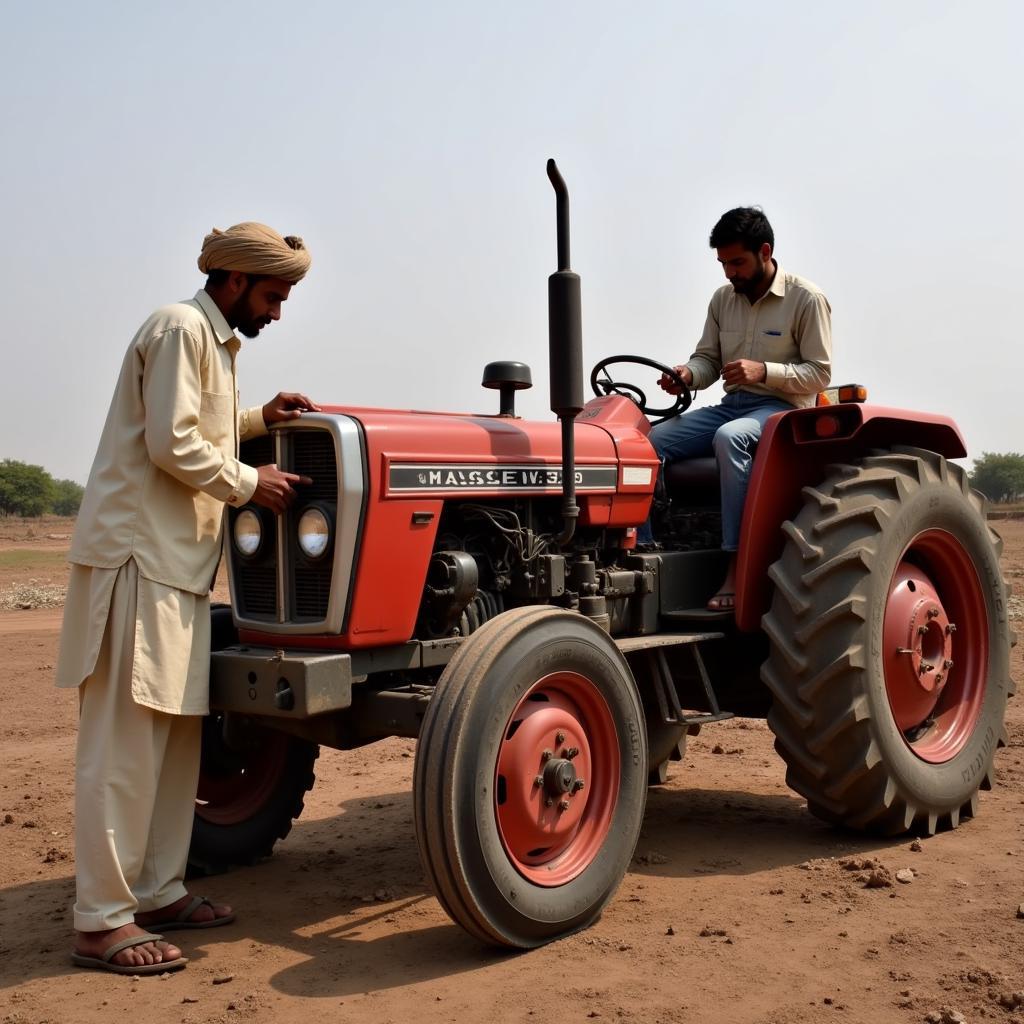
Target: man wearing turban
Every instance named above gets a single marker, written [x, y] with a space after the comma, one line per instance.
[136, 633]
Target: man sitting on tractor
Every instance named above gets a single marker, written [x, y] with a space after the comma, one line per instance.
[768, 335]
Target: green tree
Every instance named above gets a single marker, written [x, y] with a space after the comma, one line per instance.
[24, 490]
[1000, 477]
[67, 497]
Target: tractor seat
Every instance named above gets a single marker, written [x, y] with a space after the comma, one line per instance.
[693, 481]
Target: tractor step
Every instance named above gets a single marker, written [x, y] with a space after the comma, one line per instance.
[670, 708]
[703, 719]
[696, 615]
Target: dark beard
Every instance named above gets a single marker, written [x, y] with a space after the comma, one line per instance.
[250, 328]
[242, 316]
[751, 284]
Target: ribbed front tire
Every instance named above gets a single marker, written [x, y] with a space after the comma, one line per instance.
[530, 777]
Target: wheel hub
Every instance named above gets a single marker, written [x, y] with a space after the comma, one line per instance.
[556, 779]
[559, 777]
[918, 638]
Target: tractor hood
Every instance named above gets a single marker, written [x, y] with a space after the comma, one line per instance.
[446, 454]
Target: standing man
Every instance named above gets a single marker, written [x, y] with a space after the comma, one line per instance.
[768, 335]
[136, 634]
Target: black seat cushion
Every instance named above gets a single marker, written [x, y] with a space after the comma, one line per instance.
[693, 481]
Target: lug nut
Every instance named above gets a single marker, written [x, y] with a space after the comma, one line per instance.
[559, 736]
[546, 755]
[938, 678]
[922, 630]
[538, 780]
[563, 805]
[578, 785]
[570, 753]
[933, 613]
[926, 666]
[951, 628]
[947, 664]
[548, 802]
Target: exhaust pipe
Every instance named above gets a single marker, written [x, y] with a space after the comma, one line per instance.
[565, 354]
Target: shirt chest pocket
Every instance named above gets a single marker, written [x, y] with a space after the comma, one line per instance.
[216, 419]
[775, 343]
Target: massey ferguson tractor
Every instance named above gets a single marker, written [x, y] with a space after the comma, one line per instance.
[474, 581]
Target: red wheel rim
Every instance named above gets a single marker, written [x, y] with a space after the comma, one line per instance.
[233, 789]
[935, 638]
[556, 781]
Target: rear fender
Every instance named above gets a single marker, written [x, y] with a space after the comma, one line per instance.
[792, 454]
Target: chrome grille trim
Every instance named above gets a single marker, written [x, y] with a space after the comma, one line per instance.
[348, 466]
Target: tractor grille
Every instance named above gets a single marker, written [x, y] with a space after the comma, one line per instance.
[280, 571]
[313, 456]
[258, 592]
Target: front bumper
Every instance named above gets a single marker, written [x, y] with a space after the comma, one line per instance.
[293, 684]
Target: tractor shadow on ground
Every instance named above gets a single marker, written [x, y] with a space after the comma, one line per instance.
[346, 894]
[691, 832]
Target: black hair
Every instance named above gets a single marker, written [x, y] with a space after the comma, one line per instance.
[747, 225]
[218, 276]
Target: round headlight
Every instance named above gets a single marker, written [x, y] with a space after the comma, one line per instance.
[314, 532]
[248, 532]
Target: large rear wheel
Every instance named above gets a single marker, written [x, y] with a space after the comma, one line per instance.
[530, 777]
[889, 661]
[251, 788]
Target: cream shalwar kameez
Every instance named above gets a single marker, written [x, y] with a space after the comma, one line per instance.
[136, 633]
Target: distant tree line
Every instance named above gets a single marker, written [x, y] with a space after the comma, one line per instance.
[30, 491]
[999, 477]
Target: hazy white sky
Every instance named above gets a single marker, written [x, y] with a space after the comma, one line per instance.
[406, 143]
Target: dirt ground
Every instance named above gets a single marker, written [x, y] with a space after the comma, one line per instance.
[739, 906]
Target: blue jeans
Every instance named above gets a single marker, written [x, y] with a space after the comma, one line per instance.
[730, 431]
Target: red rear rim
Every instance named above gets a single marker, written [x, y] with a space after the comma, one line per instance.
[935, 639]
[557, 779]
[232, 789]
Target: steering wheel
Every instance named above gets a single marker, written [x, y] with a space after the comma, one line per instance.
[602, 384]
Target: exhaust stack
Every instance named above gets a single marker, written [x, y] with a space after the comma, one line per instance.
[565, 353]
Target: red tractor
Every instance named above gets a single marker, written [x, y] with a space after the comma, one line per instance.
[473, 581]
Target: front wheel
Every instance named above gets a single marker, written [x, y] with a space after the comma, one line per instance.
[530, 777]
[889, 661]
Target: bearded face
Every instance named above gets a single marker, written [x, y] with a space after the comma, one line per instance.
[258, 305]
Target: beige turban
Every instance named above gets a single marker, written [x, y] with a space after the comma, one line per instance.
[255, 249]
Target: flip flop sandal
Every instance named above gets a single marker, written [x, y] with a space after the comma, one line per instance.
[182, 922]
[104, 962]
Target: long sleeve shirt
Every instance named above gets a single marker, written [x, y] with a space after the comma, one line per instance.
[789, 329]
[167, 461]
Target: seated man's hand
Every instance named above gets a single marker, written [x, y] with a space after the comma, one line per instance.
[287, 405]
[744, 371]
[666, 383]
[274, 488]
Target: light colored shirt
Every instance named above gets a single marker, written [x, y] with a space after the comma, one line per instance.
[789, 329]
[167, 460]
[164, 638]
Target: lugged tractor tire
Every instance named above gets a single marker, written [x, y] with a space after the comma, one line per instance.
[889, 645]
[536, 701]
[248, 798]
[251, 791]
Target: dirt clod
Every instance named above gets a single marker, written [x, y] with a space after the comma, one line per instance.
[878, 878]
